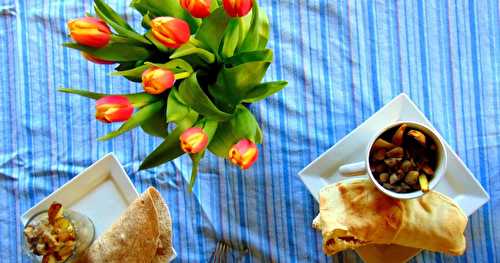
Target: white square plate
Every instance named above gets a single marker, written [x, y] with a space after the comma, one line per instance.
[102, 192]
[458, 183]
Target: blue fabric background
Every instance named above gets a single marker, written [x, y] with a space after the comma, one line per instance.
[343, 60]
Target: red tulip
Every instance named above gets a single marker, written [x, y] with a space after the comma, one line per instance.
[244, 153]
[193, 140]
[95, 59]
[197, 8]
[237, 8]
[90, 31]
[113, 109]
[157, 80]
[171, 32]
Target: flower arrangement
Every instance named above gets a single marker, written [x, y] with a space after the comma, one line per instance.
[200, 63]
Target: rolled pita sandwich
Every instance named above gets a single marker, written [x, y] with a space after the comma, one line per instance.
[142, 234]
[355, 214]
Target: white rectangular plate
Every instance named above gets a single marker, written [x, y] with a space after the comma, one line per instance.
[458, 182]
[101, 192]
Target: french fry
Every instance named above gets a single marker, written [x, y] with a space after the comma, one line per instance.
[424, 183]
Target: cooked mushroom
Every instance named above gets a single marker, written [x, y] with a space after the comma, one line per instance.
[427, 169]
[418, 136]
[381, 143]
[379, 154]
[391, 162]
[398, 136]
[397, 152]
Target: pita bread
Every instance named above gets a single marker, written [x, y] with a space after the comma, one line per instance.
[142, 234]
[355, 214]
[165, 249]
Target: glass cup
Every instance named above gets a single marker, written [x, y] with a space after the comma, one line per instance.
[84, 231]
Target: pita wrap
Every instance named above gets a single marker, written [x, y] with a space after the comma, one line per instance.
[164, 251]
[355, 214]
[142, 234]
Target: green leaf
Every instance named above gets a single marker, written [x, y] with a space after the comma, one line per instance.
[121, 39]
[191, 93]
[118, 52]
[189, 49]
[139, 100]
[165, 8]
[134, 74]
[242, 125]
[142, 99]
[156, 125]
[84, 93]
[170, 148]
[176, 109]
[111, 14]
[158, 44]
[234, 83]
[258, 33]
[231, 38]
[175, 65]
[263, 91]
[121, 27]
[251, 56]
[138, 118]
[212, 30]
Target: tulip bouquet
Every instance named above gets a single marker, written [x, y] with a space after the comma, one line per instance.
[200, 64]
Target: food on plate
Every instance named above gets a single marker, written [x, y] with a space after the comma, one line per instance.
[403, 160]
[143, 233]
[53, 236]
[355, 214]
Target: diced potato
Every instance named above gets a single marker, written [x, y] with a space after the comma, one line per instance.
[63, 223]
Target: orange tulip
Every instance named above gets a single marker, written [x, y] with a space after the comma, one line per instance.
[197, 8]
[237, 8]
[244, 153]
[193, 140]
[95, 59]
[113, 109]
[90, 31]
[171, 32]
[157, 80]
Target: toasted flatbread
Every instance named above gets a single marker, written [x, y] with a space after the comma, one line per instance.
[142, 234]
[355, 214]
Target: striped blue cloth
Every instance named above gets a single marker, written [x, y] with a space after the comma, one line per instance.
[343, 60]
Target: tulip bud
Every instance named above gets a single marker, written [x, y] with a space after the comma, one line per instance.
[193, 140]
[244, 153]
[197, 8]
[237, 8]
[171, 32]
[90, 31]
[113, 109]
[95, 59]
[157, 80]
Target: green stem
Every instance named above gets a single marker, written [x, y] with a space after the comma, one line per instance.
[194, 170]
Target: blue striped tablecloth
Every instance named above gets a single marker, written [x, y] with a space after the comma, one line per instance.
[343, 60]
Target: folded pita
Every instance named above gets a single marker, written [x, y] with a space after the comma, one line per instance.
[355, 214]
[142, 234]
